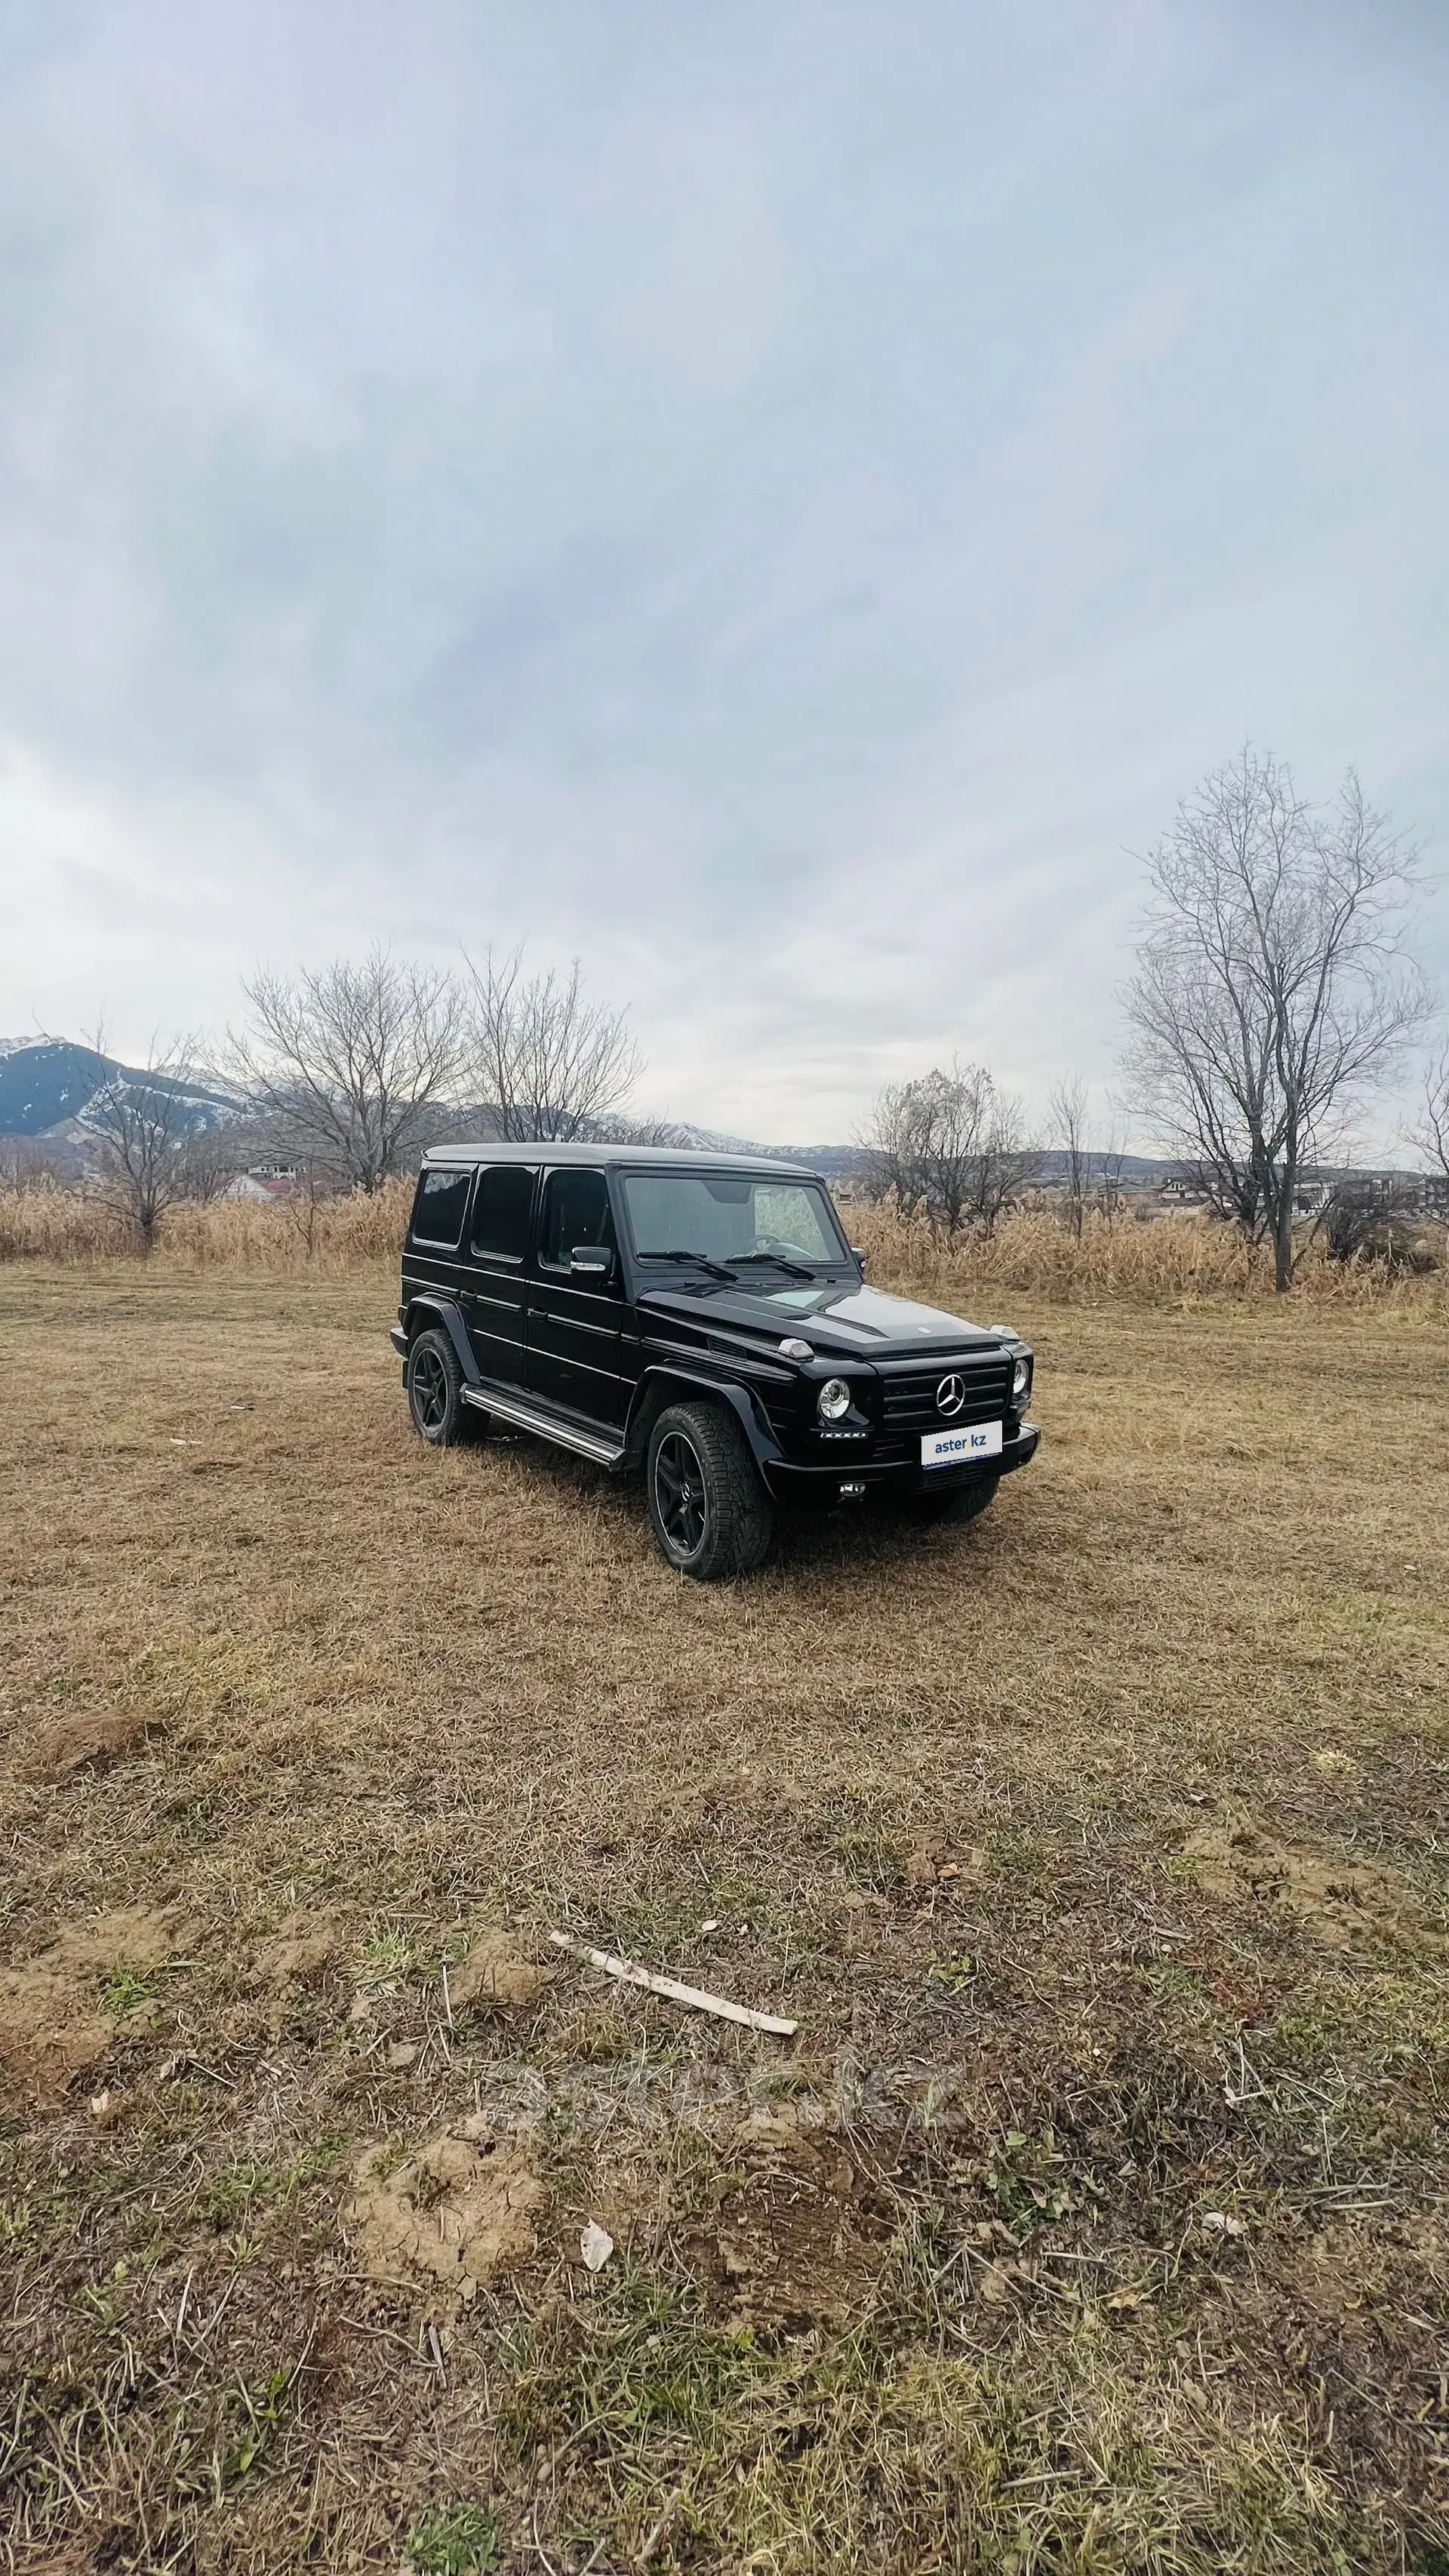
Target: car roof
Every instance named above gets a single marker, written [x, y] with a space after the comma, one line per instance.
[678, 1158]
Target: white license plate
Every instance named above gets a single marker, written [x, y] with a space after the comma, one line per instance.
[961, 1448]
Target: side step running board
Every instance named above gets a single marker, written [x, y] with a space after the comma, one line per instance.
[510, 1408]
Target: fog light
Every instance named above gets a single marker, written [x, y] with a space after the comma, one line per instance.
[1021, 1380]
[851, 1493]
[833, 1402]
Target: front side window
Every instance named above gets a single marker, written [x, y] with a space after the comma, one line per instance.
[575, 1211]
[717, 1217]
[439, 1208]
[501, 1211]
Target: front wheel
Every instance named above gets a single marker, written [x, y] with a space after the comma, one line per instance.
[710, 1512]
[957, 1503]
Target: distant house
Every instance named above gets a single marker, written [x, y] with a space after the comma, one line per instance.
[262, 1184]
[1406, 1194]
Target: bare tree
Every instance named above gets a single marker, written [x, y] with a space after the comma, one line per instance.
[26, 1166]
[1371, 1214]
[148, 1135]
[647, 1131]
[305, 1200]
[1272, 987]
[211, 1163]
[893, 1147]
[1008, 1159]
[949, 1143]
[1067, 1109]
[353, 1068]
[1108, 1194]
[550, 1063]
[1092, 1172]
[953, 1111]
[1432, 1133]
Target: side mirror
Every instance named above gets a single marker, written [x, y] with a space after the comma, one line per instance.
[860, 1257]
[592, 1261]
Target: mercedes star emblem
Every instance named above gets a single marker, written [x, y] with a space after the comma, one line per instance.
[951, 1394]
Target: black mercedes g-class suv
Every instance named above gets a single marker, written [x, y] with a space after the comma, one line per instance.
[703, 1317]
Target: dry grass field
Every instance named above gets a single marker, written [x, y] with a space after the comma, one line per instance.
[1093, 2220]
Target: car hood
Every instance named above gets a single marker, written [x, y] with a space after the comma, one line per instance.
[842, 1317]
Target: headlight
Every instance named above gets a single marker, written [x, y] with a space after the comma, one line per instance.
[1021, 1381]
[833, 1401]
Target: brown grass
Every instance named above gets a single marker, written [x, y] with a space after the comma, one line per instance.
[1173, 1261]
[42, 1222]
[1093, 2221]
[295, 1239]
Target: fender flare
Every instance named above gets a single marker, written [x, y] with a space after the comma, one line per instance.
[450, 1317]
[763, 1444]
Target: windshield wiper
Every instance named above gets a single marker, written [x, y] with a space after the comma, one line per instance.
[701, 1261]
[780, 1261]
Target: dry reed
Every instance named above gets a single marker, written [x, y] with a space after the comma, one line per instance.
[1172, 1261]
[43, 1222]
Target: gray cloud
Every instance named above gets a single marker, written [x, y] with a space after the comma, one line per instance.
[780, 502]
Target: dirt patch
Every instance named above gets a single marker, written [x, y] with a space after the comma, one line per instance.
[71, 1745]
[499, 1970]
[448, 2217]
[53, 2022]
[799, 2241]
[934, 1860]
[1345, 1903]
[304, 1944]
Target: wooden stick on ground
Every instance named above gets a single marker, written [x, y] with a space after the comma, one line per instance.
[678, 1994]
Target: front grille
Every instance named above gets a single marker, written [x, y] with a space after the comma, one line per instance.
[903, 1407]
[908, 1399]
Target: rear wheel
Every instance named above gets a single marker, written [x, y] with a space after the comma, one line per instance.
[957, 1503]
[435, 1393]
[710, 1512]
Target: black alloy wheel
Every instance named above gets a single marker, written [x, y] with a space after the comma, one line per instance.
[710, 1512]
[679, 1497]
[435, 1392]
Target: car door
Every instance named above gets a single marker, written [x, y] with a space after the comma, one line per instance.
[495, 1290]
[575, 1325]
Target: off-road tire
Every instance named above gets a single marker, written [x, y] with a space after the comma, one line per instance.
[700, 1451]
[957, 1504]
[435, 1392]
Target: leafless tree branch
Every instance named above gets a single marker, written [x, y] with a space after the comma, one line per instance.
[950, 1145]
[1432, 1133]
[150, 1144]
[1068, 1111]
[1273, 989]
[547, 1060]
[353, 1069]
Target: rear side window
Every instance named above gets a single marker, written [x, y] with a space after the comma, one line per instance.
[439, 1208]
[575, 1210]
[501, 1211]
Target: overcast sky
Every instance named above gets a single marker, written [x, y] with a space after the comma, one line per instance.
[779, 500]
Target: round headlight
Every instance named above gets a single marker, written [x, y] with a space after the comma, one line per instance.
[833, 1401]
[1021, 1380]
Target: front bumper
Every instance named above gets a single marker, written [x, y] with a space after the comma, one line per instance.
[793, 1483]
[398, 1339]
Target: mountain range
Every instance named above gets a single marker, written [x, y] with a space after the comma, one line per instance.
[46, 1084]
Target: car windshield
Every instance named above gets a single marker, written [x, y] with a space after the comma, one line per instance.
[723, 1217]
